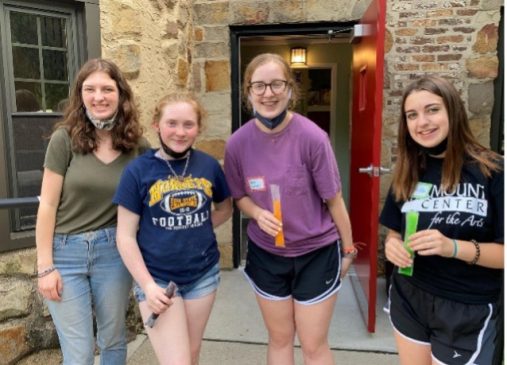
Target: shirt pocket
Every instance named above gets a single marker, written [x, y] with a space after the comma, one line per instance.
[297, 177]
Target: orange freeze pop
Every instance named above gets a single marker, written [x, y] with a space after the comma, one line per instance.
[277, 211]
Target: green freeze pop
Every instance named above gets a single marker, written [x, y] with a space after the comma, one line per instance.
[410, 228]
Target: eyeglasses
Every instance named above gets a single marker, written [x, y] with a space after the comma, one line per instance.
[276, 86]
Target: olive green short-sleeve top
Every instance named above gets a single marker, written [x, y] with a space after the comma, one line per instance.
[88, 185]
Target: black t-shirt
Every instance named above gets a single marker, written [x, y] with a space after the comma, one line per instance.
[473, 211]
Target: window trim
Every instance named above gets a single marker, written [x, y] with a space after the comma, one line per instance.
[86, 44]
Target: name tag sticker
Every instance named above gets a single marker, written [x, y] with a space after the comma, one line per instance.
[256, 184]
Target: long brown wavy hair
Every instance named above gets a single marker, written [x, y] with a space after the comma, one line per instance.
[127, 130]
[260, 60]
[462, 146]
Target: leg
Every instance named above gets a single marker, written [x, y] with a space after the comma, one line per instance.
[312, 326]
[198, 312]
[73, 314]
[411, 352]
[73, 320]
[111, 284]
[169, 335]
[278, 317]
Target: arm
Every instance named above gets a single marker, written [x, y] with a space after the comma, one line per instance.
[264, 218]
[222, 212]
[341, 219]
[126, 239]
[432, 242]
[50, 286]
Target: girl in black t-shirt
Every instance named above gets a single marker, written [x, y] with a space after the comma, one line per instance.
[446, 312]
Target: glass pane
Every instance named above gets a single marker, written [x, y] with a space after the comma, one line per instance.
[23, 28]
[25, 62]
[55, 65]
[53, 32]
[56, 97]
[28, 96]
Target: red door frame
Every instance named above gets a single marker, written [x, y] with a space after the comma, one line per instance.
[367, 102]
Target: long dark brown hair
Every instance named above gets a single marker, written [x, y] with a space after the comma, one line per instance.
[127, 129]
[462, 146]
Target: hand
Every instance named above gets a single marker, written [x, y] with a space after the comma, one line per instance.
[346, 262]
[431, 242]
[51, 286]
[156, 299]
[396, 253]
[268, 222]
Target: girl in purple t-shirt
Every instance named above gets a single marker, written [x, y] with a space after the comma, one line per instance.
[282, 173]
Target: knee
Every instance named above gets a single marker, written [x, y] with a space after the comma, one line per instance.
[314, 349]
[281, 339]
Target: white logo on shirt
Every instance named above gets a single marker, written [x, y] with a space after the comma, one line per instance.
[456, 354]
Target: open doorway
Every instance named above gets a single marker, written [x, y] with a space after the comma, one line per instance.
[325, 84]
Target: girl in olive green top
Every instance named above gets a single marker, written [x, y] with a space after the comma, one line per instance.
[79, 267]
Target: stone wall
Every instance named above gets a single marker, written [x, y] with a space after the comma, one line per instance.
[169, 45]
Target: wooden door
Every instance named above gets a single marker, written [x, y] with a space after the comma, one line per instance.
[368, 76]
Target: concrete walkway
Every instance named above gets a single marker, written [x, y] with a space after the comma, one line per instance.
[235, 334]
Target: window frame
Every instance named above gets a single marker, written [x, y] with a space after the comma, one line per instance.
[84, 43]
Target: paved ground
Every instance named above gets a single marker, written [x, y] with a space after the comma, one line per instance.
[235, 334]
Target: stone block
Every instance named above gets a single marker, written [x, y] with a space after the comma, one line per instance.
[286, 11]
[250, 13]
[481, 98]
[18, 262]
[15, 295]
[212, 13]
[182, 67]
[128, 59]
[318, 10]
[13, 345]
[214, 147]
[406, 32]
[210, 50]
[198, 34]
[216, 33]
[487, 39]
[482, 67]
[197, 77]
[217, 75]
[171, 30]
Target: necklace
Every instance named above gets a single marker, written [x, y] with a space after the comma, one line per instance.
[179, 177]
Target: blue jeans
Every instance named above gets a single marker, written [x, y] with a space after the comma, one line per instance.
[206, 284]
[95, 280]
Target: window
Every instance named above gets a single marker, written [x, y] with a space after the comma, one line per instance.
[43, 44]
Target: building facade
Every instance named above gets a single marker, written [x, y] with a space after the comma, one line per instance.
[170, 45]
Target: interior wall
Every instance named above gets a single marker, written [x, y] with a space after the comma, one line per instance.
[339, 54]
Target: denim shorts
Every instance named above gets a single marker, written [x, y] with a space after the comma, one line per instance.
[203, 286]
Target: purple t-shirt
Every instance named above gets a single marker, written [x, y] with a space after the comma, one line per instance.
[301, 161]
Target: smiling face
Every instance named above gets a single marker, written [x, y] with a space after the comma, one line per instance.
[426, 117]
[269, 104]
[178, 125]
[100, 95]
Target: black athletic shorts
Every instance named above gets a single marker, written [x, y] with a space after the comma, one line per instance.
[458, 333]
[309, 279]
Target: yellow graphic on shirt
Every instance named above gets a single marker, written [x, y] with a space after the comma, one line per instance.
[173, 185]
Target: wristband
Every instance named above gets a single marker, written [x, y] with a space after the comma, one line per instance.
[455, 252]
[46, 272]
[350, 252]
[477, 253]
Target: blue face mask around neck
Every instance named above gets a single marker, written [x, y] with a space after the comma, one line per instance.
[271, 123]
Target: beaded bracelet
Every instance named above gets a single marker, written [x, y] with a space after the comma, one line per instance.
[477, 253]
[46, 272]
